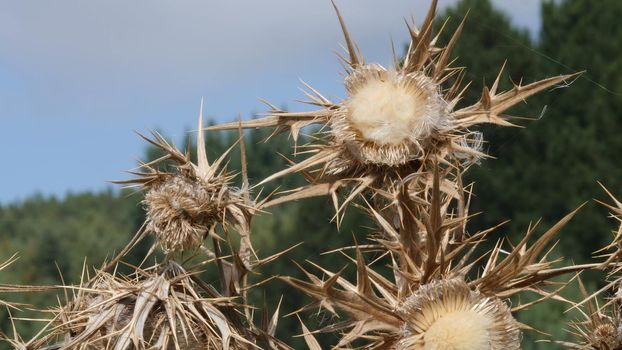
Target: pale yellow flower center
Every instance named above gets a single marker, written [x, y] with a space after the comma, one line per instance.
[460, 330]
[387, 112]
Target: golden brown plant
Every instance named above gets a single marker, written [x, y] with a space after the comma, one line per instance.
[395, 122]
[615, 248]
[166, 306]
[400, 133]
[14, 289]
[448, 314]
[162, 307]
[437, 299]
[401, 139]
[187, 203]
[601, 326]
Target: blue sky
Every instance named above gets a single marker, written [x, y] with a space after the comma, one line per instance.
[77, 77]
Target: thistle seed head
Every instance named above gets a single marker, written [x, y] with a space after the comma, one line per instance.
[388, 107]
[184, 201]
[447, 314]
[394, 122]
[180, 212]
[606, 337]
[388, 116]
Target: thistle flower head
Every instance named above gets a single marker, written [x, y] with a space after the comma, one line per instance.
[601, 326]
[447, 314]
[388, 117]
[607, 336]
[181, 211]
[435, 300]
[187, 202]
[393, 122]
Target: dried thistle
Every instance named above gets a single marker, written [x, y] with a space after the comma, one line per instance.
[435, 297]
[180, 212]
[398, 132]
[394, 122]
[186, 204]
[163, 307]
[447, 314]
[601, 326]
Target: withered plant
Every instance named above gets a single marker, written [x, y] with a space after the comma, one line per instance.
[601, 325]
[163, 307]
[187, 203]
[168, 305]
[399, 143]
[395, 123]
